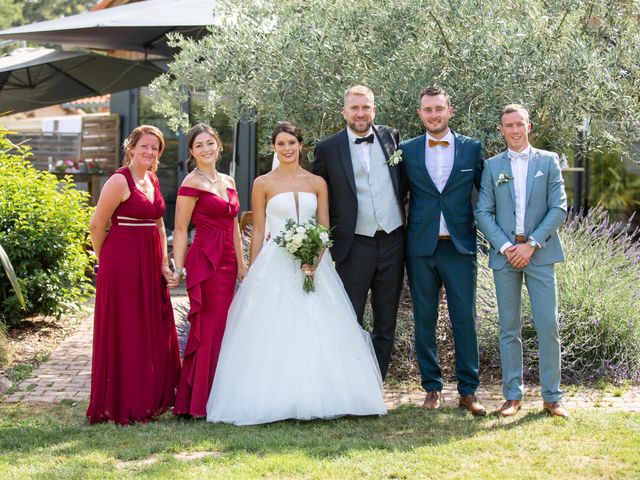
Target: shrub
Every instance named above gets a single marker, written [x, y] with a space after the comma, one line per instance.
[598, 303]
[599, 299]
[44, 229]
[5, 351]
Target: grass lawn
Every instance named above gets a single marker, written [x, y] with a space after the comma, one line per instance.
[56, 442]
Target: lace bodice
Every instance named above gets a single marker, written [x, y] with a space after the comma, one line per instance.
[282, 206]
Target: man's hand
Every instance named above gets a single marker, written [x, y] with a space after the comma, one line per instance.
[519, 255]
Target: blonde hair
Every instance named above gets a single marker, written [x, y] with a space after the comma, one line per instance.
[359, 90]
[135, 136]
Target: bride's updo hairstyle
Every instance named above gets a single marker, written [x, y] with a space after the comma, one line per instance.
[286, 127]
[193, 132]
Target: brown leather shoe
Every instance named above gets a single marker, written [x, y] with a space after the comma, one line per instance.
[555, 409]
[433, 400]
[471, 403]
[510, 408]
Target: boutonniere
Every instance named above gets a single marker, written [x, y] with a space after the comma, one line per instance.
[504, 177]
[395, 158]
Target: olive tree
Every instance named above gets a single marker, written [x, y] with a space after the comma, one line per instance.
[569, 61]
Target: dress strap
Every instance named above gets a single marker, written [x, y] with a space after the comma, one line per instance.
[189, 192]
[154, 179]
[127, 174]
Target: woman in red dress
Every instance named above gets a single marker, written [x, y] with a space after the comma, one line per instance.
[136, 359]
[209, 200]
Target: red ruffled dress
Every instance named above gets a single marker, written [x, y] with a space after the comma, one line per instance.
[136, 358]
[211, 279]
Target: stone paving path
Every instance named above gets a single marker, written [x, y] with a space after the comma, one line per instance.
[66, 375]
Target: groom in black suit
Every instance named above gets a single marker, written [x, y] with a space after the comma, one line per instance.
[366, 214]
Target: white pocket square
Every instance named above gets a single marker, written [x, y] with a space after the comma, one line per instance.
[467, 170]
[539, 174]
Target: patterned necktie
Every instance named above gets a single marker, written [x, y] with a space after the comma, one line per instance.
[518, 156]
[435, 143]
[367, 139]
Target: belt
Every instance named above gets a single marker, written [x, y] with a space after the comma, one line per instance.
[521, 239]
[444, 237]
[134, 222]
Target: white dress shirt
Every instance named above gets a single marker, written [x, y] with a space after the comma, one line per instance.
[363, 149]
[439, 163]
[519, 169]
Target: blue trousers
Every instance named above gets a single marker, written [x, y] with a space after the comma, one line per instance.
[541, 285]
[457, 273]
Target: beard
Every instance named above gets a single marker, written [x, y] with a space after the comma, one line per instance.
[364, 127]
[437, 130]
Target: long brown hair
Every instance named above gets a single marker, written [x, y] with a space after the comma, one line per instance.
[135, 136]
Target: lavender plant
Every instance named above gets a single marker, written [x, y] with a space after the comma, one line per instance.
[598, 303]
[599, 298]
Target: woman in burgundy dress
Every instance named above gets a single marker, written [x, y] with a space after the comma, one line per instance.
[209, 200]
[136, 359]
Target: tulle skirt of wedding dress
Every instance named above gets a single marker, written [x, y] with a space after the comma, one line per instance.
[290, 354]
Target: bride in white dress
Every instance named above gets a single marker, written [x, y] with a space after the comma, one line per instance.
[287, 353]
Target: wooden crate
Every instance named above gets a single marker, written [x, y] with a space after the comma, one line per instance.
[100, 141]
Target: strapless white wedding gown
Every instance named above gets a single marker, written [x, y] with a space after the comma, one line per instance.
[291, 354]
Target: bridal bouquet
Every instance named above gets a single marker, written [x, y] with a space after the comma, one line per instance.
[304, 241]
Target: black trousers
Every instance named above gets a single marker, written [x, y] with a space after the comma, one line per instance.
[376, 264]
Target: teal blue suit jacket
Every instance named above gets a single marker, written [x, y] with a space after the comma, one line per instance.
[426, 202]
[546, 207]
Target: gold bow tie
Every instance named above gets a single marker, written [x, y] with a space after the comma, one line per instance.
[435, 143]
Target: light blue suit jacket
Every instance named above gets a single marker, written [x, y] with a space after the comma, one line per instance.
[545, 210]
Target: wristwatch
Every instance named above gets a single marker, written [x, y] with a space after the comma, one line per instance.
[533, 243]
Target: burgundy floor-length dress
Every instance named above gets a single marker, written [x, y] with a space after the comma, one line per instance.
[211, 279]
[136, 358]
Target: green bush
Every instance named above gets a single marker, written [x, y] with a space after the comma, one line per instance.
[598, 303]
[4, 346]
[44, 230]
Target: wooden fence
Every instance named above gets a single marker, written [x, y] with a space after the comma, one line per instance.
[95, 149]
[88, 156]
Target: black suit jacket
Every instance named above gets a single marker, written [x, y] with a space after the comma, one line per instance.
[333, 163]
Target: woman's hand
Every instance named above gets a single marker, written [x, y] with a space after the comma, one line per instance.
[242, 272]
[308, 270]
[168, 275]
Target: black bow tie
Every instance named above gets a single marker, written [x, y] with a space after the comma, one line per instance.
[367, 139]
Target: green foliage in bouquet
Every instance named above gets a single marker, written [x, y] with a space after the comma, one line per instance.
[305, 241]
[44, 229]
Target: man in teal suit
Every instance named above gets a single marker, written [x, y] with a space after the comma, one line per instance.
[441, 169]
[521, 205]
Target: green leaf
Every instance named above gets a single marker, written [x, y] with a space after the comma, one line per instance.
[8, 268]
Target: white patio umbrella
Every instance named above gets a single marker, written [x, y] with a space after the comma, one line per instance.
[140, 26]
[34, 78]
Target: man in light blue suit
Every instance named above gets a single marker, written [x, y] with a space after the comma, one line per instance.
[441, 169]
[521, 205]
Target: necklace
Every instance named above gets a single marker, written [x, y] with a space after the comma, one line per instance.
[291, 179]
[206, 177]
[141, 183]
